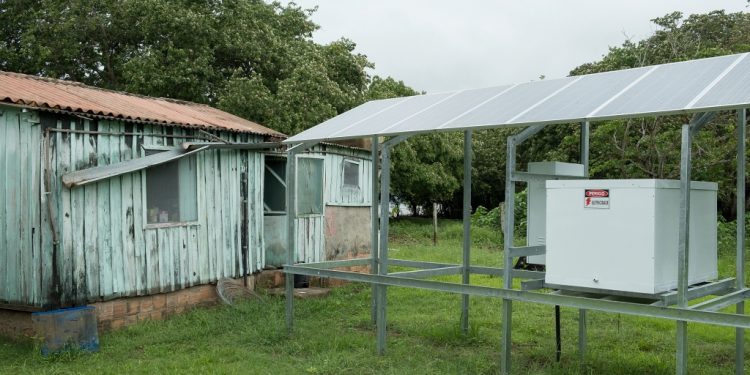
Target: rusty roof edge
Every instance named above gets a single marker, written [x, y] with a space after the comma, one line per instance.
[64, 108]
[36, 106]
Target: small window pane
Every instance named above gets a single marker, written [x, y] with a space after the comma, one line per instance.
[171, 191]
[274, 185]
[351, 173]
[309, 186]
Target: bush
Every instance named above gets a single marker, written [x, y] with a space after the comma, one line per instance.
[484, 218]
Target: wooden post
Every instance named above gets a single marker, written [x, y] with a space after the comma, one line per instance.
[434, 223]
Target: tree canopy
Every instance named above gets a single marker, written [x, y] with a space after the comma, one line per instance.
[248, 57]
[259, 61]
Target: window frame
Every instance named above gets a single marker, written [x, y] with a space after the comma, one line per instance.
[344, 185]
[144, 192]
[297, 185]
[265, 165]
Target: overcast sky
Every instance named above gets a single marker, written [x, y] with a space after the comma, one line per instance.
[446, 45]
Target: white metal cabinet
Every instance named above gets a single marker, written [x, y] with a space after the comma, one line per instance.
[628, 241]
[536, 201]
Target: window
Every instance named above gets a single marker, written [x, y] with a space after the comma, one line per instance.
[309, 186]
[351, 173]
[172, 191]
[274, 186]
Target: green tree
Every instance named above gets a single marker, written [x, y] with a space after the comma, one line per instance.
[649, 147]
[249, 57]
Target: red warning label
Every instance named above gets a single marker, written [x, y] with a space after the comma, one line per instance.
[596, 198]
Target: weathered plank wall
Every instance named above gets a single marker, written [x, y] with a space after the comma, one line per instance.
[311, 239]
[21, 252]
[105, 248]
[335, 193]
[310, 236]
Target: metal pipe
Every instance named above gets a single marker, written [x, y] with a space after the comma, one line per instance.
[291, 220]
[577, 302]
[558, 339]
[374, 226]
[385, 184]
[582, 336]
[585, 160]
[683, 246]
[585, 132]
[510, 190]
[740, 272]
[291, 212]
[465, 277]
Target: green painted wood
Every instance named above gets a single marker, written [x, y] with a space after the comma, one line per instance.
[106, 249]
[100, 156]
[118, 262]
[203, 255]
[5, 147]
[11, 209]
[36, 209]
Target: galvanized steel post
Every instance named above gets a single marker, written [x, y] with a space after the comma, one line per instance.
[385, 185]
[291, 214]
[683, 246]
[465, 279]
[585, 131]
[740, 274]
[374, 225]
[510, 190]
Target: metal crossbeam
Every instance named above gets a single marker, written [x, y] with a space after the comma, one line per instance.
[718, 287]
[688, 315]
[534, 284]
[422, 274]
[719, 303]
[527, 251]
[339, 263]
[520, 274]
[519, 176]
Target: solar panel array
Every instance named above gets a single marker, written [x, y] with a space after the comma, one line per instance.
[685, 87]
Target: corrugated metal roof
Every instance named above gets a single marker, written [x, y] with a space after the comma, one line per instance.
[54, 94]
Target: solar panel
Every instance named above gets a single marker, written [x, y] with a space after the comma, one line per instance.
[733, 89]
[349, 118]
[452, 108]
[584, 97]
[391, 116]
[669, 88]
[690, 86]
[512, 103]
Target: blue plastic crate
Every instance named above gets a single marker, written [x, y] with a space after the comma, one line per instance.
[66, 329]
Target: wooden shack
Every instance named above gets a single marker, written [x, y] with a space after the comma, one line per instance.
[105, 195]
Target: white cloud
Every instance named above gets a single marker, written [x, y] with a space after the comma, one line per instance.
[444, 45]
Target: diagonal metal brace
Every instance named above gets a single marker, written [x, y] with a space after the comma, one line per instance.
[700, 120]
[526, 134]
[395, 140]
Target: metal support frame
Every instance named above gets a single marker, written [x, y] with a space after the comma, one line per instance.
[731, 291]
[683, 244]
[579, 302]
[510, 195]
[585, 135]
[374, 248]
[381, 298]
[739, 358]
[466, 272]
[291, 210]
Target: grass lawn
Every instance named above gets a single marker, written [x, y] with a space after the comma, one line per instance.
[335, 335]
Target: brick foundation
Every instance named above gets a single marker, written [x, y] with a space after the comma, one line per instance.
[271, 279]
[16, 324]
[123, 312]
